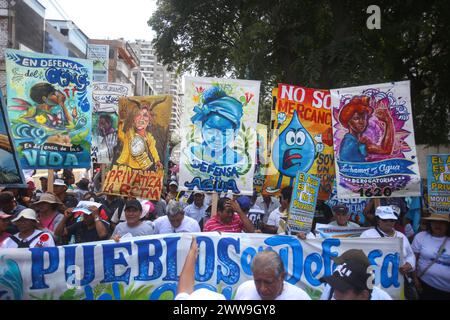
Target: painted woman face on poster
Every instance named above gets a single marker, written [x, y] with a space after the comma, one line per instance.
[374, 141]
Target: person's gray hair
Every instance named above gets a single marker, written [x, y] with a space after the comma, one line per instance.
[268, 260]
[174, 208]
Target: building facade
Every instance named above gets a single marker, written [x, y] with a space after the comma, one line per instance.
[64, 38]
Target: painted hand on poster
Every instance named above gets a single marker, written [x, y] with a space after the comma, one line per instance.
[139, 146]
[294, 150]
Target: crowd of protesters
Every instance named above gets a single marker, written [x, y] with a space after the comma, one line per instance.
[79, 212]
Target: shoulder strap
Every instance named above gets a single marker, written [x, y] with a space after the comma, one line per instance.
[25, 244]
[379, 232]
[439, 254]
[330, 296]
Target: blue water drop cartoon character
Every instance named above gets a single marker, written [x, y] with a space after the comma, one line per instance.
[293, 151]
[219, 118]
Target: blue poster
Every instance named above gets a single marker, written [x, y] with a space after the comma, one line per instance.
[50, 107]
[438, 167]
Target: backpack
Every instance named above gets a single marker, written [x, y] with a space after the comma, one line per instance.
[24, 244]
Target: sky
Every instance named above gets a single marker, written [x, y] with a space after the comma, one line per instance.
[105, 19]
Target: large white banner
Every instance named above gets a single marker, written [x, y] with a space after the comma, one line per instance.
[374, 141]
[218, 135]
[149, 267]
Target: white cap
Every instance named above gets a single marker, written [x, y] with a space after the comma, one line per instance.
[396, 209]
[59, 182]
[200, 294]
[173, 183]
[386, 213]
[27, 214]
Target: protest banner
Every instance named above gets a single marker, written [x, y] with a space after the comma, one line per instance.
[374, 141]
[302, 139]
[261, 157]
[137, 166]
[355, 206]
[99, 54]
[105, 120]
[303, 202]
[438, 166]
[328, 231]
[50, 105]
[148, 267]
[218, 135]
[11, 174]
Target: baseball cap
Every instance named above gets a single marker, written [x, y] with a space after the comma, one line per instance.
[198, 192]
[4, 215]
[26, 214]
[133, 204]
[386, 213]
[340, 208]
[244, 202]
[351, 274]
[59, 182]
[352, 254]
[173, 183]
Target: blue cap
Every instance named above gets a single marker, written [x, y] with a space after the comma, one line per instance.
[244, 202]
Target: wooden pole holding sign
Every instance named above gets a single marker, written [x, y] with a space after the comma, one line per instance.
[51, 179]
[214, 201]
[103, 172]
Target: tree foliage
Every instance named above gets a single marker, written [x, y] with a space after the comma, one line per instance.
[318, 44]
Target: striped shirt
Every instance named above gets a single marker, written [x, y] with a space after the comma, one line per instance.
[214, 224]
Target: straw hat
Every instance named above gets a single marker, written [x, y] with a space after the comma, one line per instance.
[48, 198]
[438, 217]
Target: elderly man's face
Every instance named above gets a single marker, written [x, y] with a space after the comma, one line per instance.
[176, 220]
[198, 200]
[268, 285]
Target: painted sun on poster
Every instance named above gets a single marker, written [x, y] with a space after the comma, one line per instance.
[374, 141]
[218, 130]
[50, 106]
[137, 165]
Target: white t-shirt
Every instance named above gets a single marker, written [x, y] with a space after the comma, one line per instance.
[377, 294]
[38, 242]
[200, 294]
[195, 212]
[143, 229]
[274, 218]
[247, 291]
[408, 254]
[438, 275]
[162, 225]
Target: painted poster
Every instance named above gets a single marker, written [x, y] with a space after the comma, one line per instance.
[105, 118]
[99, 54]
[302, 139]
[11, 174]
[137, 166]
[148, 268]
[355, 206]
[329, 231]
[374, 142]
[261, 157]
[218, 135]
[303, 202]
[50, 107]
[438, 181]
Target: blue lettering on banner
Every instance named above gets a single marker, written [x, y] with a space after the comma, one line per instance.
[171, 259]
[110, 262]
[209, 260]
[375, 169]
[37, 267]
[233, 274]
[89, 266]
[213, 184]
[144, 259]
[215, 170]
[49, 159]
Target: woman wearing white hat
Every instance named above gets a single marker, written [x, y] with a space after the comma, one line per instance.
[385, 222]
[29, 236]
[432, 249]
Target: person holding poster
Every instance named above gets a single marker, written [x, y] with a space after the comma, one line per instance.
[218, 148]
[374, 142]
[137, 169]
[50, 107]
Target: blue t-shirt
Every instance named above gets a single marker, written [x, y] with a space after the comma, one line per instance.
[351, 150]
